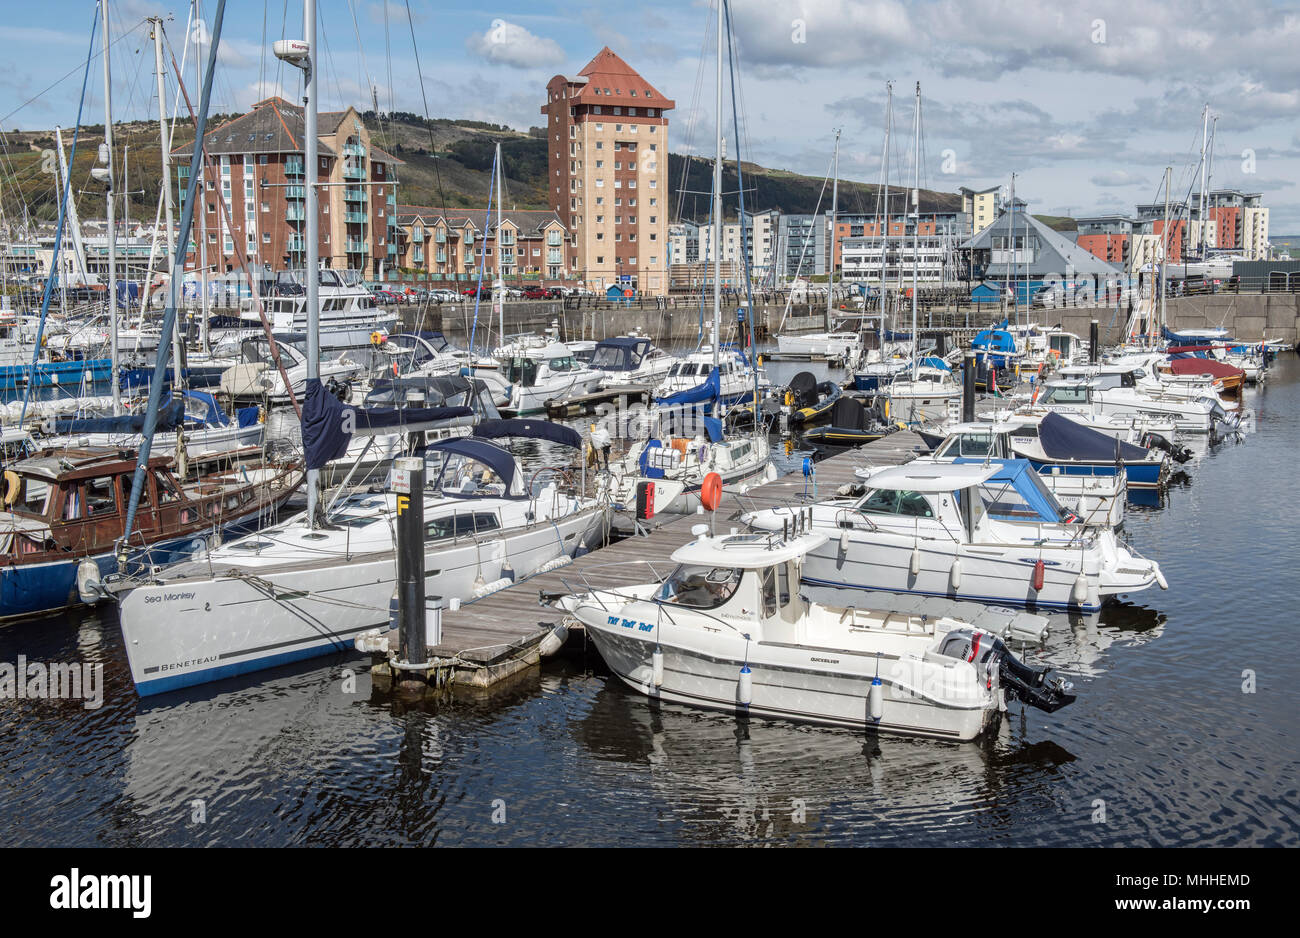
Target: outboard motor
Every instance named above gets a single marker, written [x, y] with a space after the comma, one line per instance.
[989, 653]
[1153, 440]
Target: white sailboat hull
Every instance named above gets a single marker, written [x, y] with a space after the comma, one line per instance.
[197, 628]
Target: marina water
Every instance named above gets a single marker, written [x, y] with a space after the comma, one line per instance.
[1184, 732]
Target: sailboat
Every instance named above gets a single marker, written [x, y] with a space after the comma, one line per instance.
[841, 344]
[308, 586]
[675, 464]
[923, 394]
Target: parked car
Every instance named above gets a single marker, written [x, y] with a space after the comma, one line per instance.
[536, 293]
[483, 293]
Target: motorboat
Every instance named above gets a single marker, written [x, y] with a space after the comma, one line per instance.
[348, 313]
[64, 513]
[631, 360]
[1057, 446]
[548, 373]
[957, 531]
[843, 345]
[728, 630]
[1117, 395]
[297, 590]
[1095, 497]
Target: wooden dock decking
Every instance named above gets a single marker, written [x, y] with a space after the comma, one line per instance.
[489, 639]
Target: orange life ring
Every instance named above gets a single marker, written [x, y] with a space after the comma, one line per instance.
[711, 491]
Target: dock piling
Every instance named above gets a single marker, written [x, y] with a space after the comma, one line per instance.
[968, 387]
[408, 484]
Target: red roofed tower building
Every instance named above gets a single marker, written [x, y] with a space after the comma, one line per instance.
[607, 174]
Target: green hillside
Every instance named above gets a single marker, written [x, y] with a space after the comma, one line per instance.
[457, 178]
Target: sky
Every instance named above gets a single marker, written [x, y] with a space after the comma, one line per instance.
[1086, 102]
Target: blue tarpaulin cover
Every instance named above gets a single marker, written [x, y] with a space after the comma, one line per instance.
[1063, 439]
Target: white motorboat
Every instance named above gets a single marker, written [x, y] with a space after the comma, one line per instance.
[294, 590]
[347, 315]
[1096, 496]
[548, 373]
[1113, 396]
[842, 345]
[729, 630]
[989, 533]
[631, 360]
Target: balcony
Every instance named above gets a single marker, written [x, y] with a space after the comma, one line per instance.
[293, 166]
[356, 218]
[295, 192]
[353, 149]
[295, 244]
[358, 247]
[295, 213]
[353, 172]
[354, 195]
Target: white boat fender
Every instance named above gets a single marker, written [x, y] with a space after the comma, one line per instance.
[1160, 579]
[657, 667]
[876, 699]
[954, 576]
[553, 642]
[745, 687]
[89, 585]
[915, 567]
[844, 542]
[1080, 588]
[494, 586]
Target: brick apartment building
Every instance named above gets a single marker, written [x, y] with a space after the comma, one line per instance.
[262, 180]
[448, 248]
[607, 169]
[1234, 221]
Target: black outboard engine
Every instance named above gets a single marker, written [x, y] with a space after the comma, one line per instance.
[1153, 440]
[988, 653]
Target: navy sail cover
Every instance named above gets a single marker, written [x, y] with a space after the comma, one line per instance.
[170, 417]
[328, 423]
[533, 429]
[1064, 439]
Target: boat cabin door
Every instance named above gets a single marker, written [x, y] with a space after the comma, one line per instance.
[781, 609]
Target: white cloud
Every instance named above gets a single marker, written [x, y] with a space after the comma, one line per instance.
[1117, 177]
[505, 43]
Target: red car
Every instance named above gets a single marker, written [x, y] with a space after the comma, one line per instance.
[536, 293]
[484, 293]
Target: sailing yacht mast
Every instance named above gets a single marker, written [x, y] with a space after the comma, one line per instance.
[178, 343]
[1164, 259]
[312, 277]
[916, 216]
[717, 197]
[1205, 142]
[109, 226]
[498, 286]
[884, 218]
[835, 209]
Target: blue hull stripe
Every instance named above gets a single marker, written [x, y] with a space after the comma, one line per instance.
[162, 685]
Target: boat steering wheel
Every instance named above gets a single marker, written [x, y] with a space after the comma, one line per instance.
[566, 475]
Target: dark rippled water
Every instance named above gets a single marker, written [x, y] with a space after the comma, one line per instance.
[1162, 747]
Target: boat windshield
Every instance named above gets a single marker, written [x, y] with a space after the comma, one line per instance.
[612, 358]
[973, 443]
[699, 586]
